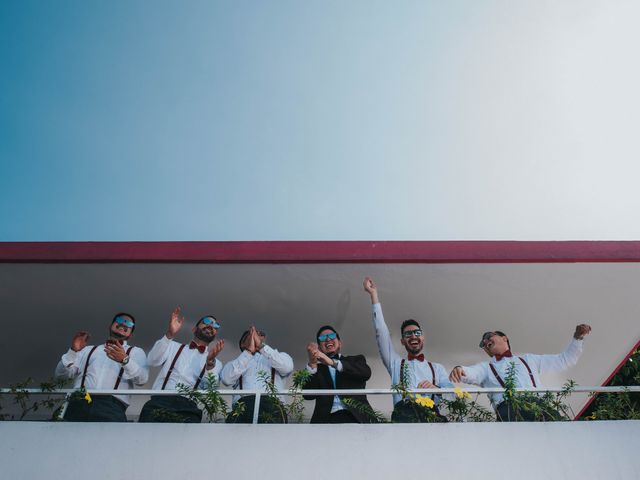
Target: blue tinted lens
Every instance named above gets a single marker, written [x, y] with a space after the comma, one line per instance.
[330, 336]
[211, 321]
[127, 322]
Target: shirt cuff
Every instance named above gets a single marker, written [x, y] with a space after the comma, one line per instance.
[311, 370]
[267, 351]
[69, 358]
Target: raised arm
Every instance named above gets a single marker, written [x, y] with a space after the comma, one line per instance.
[70, 363]
[161, 350]
[282, 362]
[566, 359]
[233, 370]
[383, 337]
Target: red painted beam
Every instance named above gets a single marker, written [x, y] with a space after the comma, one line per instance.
[321, 252]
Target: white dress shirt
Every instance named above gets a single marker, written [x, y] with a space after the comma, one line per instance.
[187, 368]
[417, 371]
[247, 366]
[481, 374]
[102, 373]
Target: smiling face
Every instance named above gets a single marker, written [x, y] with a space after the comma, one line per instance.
[495, 344]
[120, 328]
[412, 339]
[329, 346]
[205, 332]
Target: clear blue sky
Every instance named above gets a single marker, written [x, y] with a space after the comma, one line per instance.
[205, 120]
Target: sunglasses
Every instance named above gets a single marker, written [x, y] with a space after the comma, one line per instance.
[488, 336]
[410, 333]
[210, 321]
[127, 322]
[329, 336]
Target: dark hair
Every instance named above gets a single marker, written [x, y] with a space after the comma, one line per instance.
[327, 327]
[408, 322]
[206, 316]
[502, 334]
[244, 335]
[128, 315]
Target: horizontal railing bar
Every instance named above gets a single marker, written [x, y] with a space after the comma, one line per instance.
[368, 391]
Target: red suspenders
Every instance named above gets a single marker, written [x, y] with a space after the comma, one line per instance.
[501, 382]
[86, 367]
[173, 364]
[433, 372]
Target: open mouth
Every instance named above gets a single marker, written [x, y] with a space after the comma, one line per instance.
[414, 343]
[329, 345]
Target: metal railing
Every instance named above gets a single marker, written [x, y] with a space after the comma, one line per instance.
[369, 391]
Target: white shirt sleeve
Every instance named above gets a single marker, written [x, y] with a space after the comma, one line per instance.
[70, 363]
[475, 374]
[233, 370]
[282, 362]
[137, 369]
[160, 352]
[557, 362]
[383, 337]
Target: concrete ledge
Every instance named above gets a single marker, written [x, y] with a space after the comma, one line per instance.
[580, 450]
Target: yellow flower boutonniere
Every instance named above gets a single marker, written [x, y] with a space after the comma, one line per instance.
[87, 397]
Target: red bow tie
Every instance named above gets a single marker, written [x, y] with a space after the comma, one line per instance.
[419, 357]
[201, 348]
[506, 354]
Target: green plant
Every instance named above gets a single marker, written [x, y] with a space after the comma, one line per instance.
[209, 399]
[23, 399]
[531, 406]
[465, 409]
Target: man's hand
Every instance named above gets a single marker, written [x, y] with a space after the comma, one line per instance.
[582, 331]
[175, 322]
[214, 350]
[115, 351]
[251, 346]
[456, 374]
[79, 341]
[322, 358]
[426, 384]
[257, 339]
[312, 352]
[371, 289]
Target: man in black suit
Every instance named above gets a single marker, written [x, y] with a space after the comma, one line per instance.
[334, 371]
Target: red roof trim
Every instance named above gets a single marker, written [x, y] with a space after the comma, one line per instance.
[606, 382]
[322, 252]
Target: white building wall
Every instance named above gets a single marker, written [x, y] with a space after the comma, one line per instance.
[564, 450]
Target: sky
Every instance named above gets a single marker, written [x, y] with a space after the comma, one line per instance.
[289, 120]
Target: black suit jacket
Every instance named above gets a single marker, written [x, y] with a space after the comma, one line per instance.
[355, 373]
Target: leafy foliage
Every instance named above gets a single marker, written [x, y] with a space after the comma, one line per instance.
[23, 399]
[618, 406]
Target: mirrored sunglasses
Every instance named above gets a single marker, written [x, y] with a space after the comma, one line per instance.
[127, 322]
[330, 336]
[210, 321]
[410, 333]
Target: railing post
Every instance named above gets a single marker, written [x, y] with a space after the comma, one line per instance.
[256, 408]
[63, 410]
